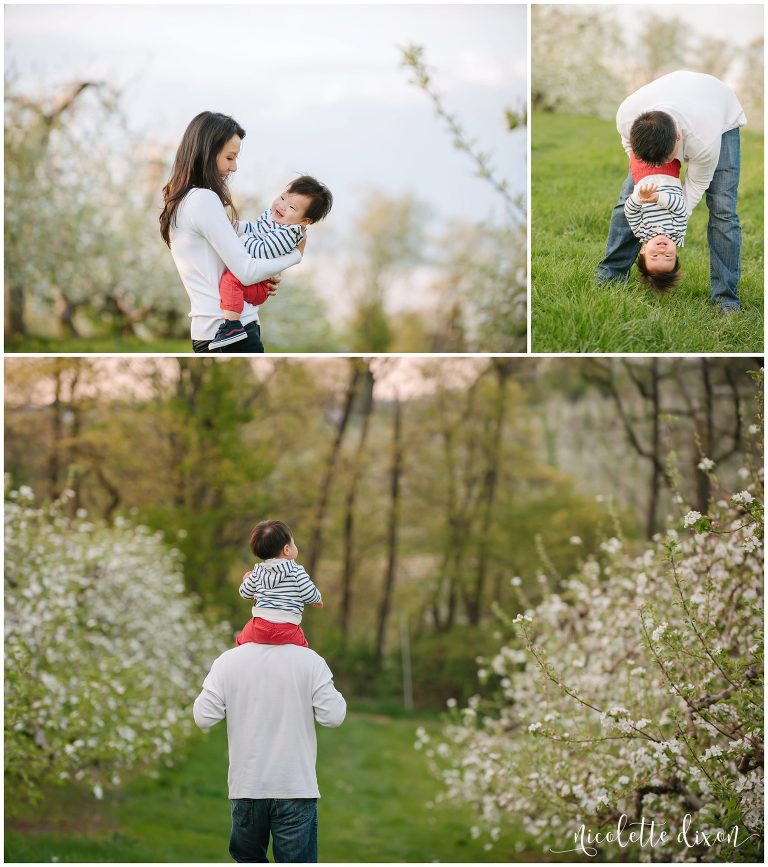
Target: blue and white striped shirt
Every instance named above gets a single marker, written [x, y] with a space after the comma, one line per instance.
[266, 239]
[668, 216]
[280, 586]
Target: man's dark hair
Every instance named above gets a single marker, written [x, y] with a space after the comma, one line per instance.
[268, 539]
[662, 283]
[653, 136]
[322, 200]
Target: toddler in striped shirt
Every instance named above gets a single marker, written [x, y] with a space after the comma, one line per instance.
[279, 587]
[658, 215]
[279, 230]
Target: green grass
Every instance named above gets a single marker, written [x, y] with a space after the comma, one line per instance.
[375, 789]
[96, 345]
[578, 167]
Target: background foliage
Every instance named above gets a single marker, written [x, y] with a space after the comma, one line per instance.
[428, 498]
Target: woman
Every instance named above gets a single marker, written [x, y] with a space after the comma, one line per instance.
[198, 221]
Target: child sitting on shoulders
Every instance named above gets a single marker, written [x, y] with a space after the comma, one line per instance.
[279, 230]
[279, 587]
[657, 214]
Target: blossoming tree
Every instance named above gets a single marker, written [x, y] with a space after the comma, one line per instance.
[103, 651]
[633, 693]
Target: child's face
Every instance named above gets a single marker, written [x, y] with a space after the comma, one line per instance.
[289, 209]
[660, 255]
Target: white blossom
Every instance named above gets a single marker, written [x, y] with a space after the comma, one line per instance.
[690, 519]
[743, 498]
[626, 648]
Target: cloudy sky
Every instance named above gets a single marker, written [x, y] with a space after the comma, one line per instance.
[318, 88]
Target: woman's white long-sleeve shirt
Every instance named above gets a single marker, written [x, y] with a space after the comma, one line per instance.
[203, 246]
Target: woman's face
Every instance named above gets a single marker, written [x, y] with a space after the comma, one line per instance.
[226, 161]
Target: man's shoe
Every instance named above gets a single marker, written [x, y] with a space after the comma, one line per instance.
[230, 331]
[727, 309]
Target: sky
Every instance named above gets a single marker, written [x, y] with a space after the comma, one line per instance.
[738, 23]
[319, 89]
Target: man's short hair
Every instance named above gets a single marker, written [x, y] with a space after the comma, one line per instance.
[268, 538]
[653, 136]
[663, 283]
[322, 200]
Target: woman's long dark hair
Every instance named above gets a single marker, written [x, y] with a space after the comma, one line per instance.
[195, 165]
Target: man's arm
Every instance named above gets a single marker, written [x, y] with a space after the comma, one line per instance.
[329, 705]
[699, 174]
[209, 707]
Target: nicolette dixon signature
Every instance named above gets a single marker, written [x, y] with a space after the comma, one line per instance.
[650, 834]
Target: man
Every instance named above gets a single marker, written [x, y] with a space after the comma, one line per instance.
[695, 118]
[271, 696]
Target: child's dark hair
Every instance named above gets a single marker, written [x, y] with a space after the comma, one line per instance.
[268, 539]
[664, 283]
[322, 200]
[653, 136]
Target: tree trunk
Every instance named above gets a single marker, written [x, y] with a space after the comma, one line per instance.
[475, 598]
[705, 434]
[350, 541]
[56, 433]
[316, 539]
[15, 319]
[656, 475]
[392, 528]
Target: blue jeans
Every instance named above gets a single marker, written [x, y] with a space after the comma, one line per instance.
[292, 822]
[723, 229]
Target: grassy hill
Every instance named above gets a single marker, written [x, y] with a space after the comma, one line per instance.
[577, 169]
[375, 789]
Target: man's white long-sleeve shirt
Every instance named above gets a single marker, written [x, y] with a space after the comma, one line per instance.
[271, 696]
[703, 107]
[203, 245]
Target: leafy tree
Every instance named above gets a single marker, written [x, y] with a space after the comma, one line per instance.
[92, 614]
[573, 54]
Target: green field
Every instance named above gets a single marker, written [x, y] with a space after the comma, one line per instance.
[578, 167]
[375, 789]
[99, 345]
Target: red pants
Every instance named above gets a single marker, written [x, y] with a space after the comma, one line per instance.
[261, 631]
[641, 170]
[232, 292]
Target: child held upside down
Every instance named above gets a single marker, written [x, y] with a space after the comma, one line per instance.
[657, 214]
[279, 230]
[279, 587]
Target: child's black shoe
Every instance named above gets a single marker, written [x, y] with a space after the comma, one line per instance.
[230, 331]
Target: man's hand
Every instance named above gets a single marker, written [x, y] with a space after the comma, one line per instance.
[274, 283]
[647, 194]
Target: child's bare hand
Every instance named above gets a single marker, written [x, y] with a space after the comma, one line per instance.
[317, 604]
[302, 243]
[648, 194]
